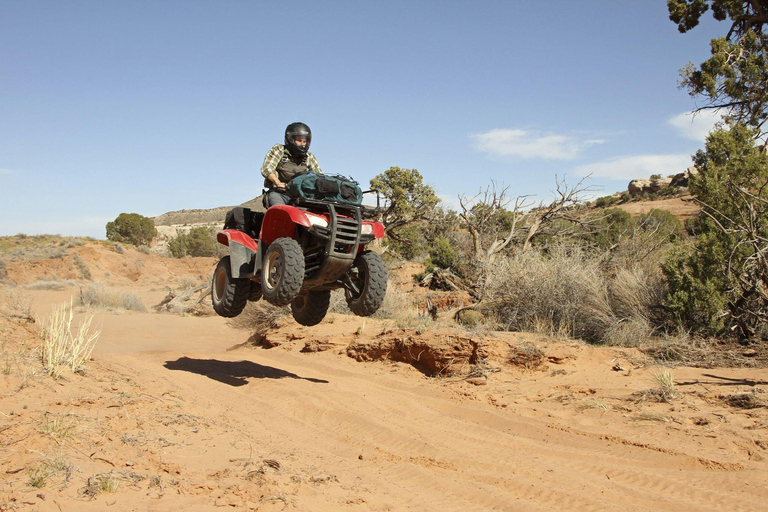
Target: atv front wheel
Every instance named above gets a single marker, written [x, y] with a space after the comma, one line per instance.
[282, 273]
[310, 308]
[228, 295]
[366, 284]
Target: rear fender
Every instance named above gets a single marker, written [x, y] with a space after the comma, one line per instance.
[280, 221]
[244, 252]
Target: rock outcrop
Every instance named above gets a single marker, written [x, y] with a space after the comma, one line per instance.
[657, 184]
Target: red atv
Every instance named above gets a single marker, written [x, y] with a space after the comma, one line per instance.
[296, 254]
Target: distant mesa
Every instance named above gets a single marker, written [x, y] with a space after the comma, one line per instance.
[172, 224]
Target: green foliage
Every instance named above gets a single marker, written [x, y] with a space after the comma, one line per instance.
[442, 254]
[609, 227]
[199, 241]
[696, 298]
[606, 201]
[722, 284]
[655, 176]
[661, 222]
[131, 228]
[735, 75]
[409, 201]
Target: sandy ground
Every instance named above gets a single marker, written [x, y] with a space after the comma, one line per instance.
[187, 413]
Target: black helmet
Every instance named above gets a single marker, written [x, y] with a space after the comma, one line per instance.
[293, 131]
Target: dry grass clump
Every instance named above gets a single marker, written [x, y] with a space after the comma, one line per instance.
[745, 400]
[101, 296]
[681, 348]
[51, 285]
[259, 316]
[527, 355]
[82, 267]
[664, 390]
[63, 348]
[3, 270]
[14, 304]
[188, 281]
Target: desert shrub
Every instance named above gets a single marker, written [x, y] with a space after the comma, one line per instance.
[606, 201]
[407, 241]
[442, 254]
[82, 267]
[697, 294]
[118, 248]
[663, 223]
[131, 228]
[606, 229]
[638, 291]
[100, 295]
[628, 332]
[564, 289]
[144, 249]
[3, 270]
[470, 318]
[199, 241]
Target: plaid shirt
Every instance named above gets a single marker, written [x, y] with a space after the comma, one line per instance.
[276, 154]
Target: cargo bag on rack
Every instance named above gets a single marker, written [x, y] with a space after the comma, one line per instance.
[313, 185]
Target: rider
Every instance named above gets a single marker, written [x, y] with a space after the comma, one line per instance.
[284, 161]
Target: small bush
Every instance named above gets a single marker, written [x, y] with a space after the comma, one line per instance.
[118, 248]
[99, 295]
[471, 318]
[442, 254]
[3, 270]
[131, 228]
[199, 241]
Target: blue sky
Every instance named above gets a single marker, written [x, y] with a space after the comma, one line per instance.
[152, 106]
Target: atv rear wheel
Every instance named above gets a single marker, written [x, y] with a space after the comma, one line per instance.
[366, 284]
[310, 308]
[228, 295]
[282, 273]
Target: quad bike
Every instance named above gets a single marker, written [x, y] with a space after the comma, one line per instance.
[297, 254]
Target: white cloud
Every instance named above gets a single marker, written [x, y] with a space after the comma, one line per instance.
[525, 144]
[636, 166]
[695, 126]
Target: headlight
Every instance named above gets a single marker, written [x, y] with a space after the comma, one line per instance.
[314, 220]
[367, 229]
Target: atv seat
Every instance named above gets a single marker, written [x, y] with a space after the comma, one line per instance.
[245, 220]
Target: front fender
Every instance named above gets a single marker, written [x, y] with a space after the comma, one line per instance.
[244, 252]
[280, 221]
